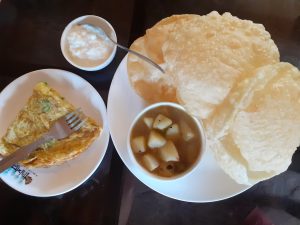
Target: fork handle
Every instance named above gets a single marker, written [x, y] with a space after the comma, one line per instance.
[139, 55]
[20, 154]
[135, 53]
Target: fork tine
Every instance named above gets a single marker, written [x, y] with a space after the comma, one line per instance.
[78, 126]
[71, 114]
[76, 121]
[72, 119]
[73, 124]
[74, 116]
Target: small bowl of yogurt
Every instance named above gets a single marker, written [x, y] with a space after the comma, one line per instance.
[85, 47]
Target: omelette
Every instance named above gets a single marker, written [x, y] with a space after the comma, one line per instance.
[42, 109]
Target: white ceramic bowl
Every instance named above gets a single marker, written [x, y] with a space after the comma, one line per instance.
[94, 20]
[202, 137]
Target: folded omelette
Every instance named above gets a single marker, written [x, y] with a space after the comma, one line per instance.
[43, 108]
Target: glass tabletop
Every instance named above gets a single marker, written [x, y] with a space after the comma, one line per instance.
[30, 32]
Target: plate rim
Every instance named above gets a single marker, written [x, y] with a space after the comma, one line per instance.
[105, 133]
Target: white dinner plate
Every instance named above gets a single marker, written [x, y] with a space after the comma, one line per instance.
[207, 183]
[60, 179]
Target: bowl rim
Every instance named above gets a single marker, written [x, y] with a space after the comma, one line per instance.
[201, 130]
[69, 59]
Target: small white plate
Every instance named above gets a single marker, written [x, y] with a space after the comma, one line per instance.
[60, 179]
[207, 183]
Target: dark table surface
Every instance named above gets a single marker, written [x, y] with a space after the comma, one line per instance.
[30, 33]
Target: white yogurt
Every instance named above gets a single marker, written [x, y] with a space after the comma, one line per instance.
[87, 46]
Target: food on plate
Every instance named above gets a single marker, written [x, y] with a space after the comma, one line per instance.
[147, 81]
[226, 72]
[87, 46]
[168, 152]
[150, 162]
[161, 122]
[173, 131]
[162, 150]
[139, 144]
[42, 109]
[255, 138]
[148, 121]
[204, 58]
[156, 140]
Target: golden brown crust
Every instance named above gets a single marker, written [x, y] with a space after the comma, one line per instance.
[40, 112]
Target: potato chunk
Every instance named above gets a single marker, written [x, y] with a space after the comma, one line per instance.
[139, 144]
[168, 152]
[148, 121]
[161, 122]
[167, 169]
[186, 131]
[150, 162]
[173, 130]
[156, 140]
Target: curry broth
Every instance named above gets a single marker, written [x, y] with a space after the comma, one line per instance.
[188, 150]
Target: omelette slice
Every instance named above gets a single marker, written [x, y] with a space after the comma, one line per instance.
[43, 108]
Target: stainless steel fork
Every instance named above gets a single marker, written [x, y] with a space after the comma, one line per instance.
[62, 128]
